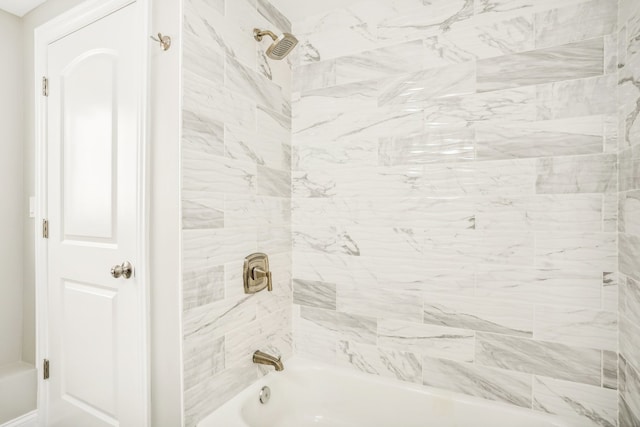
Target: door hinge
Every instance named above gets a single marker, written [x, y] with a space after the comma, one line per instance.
[45, 86]
[45, 228]
[45, 369]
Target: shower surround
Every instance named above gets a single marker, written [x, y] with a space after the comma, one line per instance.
[455, 190]
[447, 172]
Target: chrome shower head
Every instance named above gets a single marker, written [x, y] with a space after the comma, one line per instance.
[280, 47]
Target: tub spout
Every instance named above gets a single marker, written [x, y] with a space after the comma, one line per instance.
[267, 359]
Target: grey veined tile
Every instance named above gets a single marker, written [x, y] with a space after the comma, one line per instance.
[582, 21]
[474, 380]
[314, 294]
[570, 61]
[584, 174]
[593, 406]
[540, 358]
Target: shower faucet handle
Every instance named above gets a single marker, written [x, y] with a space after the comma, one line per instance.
[256, 273]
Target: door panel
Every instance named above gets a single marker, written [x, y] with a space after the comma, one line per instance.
[95, 325]
[89, 90]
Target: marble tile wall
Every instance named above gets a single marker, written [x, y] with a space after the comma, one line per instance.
[629, 210]
[454, 198]
[236, 197]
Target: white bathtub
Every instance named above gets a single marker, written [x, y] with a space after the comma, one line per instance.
[18, 385]
[309, 394]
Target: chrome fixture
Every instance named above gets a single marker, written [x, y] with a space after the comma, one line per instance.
[256, 273]
[280, 47]
[125, 270]
[265, 394]
[267, 359]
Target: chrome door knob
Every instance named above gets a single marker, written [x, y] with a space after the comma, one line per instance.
[125, 270]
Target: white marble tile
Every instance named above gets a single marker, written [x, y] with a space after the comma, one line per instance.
[440, 16]
[573, 98]
[275, 240]
[216, 319]
[582, 21]
[380, 63]
[630, 391]
[202, 209]
[320, 154]
[438, 144]
[576, 327]
[587, 251]
[245, 144]
[419, 212]
[273, 182]
[240, 79]
[315, 75]
[217, 246]
[432, 340]
[313, 340]
[510, 104]
[415, 88]
[313, 293]
[269, 333]
[592, 406]
[570, 61]
[629, 212]
[206, 397]
[273, 15]
[629, 250]
[341, 325]
[610, 370]
[540, 358]
[610, 291]
[479, 314]
[385, 273]
[479, 381]
[539, 139]
[202, 286]
[204, 174]
[395, 364]
[580, 212]
[202, 359]
[585, 174]
[580, 288]
[381, 303]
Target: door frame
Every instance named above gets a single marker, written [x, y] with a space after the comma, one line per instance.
[53, 30]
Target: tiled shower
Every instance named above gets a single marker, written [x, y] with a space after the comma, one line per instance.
[447, 191]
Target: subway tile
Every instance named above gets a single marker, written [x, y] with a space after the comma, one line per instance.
[273, 15]
[629, 169]
[432, 340]
[214, 320]
[202, 210]
[242, 80]
[401, 365]
[584, 174]
[453, 80]
[202, 286]
[573, 23]
[610, 369]
[314, 294]
[319, 154]
[575, 98]
[629, 212]
[312, 340]
[479, 314]
[510, 104]
[487, 383]
[202, 359]
[628, 343]
[576, 327]
[577, 251]
[380, 303]
[630, 396]
[341, 325]
[629, 250]
[216, 246]
[272, 182]
[540, 358]
[380, 63]
[438, 144]
[580, 288]
[570, 61]
[538, 139]
[630, 300]
[562, 212]
[610, 291]
[591, 405]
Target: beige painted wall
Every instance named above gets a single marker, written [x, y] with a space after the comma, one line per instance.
[11, 210]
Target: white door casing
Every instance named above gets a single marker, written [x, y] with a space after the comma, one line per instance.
[92, 327]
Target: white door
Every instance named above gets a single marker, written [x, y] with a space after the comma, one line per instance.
[96, 333]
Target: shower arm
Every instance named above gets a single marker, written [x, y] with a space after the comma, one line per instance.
[258, 34]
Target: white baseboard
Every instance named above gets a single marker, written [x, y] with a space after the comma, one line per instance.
[26, 420]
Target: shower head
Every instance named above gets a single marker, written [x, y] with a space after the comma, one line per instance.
[280, 47]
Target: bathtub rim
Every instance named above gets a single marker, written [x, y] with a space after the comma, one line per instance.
[297, 363]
